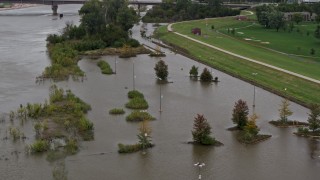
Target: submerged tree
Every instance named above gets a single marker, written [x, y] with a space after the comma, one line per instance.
[284, 111]
[193, 71]
[251, 126]
[201, 131]
[206, 76]
[144, 135]
[161, 70]
[314, 117]
[240, 114]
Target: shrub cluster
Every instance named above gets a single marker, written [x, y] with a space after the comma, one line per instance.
[129, 148]
[105, 67]
[117, 111]
[137, 103]
[137, 100]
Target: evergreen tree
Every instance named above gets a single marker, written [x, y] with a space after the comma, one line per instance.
[240, 114]
[193, 71]
[314, 117]
[206, 76]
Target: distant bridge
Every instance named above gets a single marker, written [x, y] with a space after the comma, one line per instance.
[56, 2]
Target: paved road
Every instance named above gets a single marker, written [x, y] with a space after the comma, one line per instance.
[169, 28]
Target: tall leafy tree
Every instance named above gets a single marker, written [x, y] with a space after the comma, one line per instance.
[297, 17]
[276, 20]
[126, 18]
[314, 117]
[240, 114]
[161, 70]
[202, 130]
[92, 17]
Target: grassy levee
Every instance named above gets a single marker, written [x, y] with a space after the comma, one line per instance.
[298, 90]
[301, 65]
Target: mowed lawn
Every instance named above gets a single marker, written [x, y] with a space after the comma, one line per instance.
[291, 43]
[300, 90]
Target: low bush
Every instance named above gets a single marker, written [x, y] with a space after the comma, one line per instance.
[105, 67]
[208, 140]
[135, 94]
[133, 43]
[129, 148]
[88, 45]
[139, 116]
[303, 130]
[39, 146]
[72, 146]
[137, 103]
[85, 125]
[117, 111]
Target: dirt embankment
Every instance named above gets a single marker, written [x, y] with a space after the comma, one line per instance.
[17, 6]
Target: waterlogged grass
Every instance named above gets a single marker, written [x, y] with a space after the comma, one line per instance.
[292, 43]
[137, 100]
[299, 90]
[105, 67]
[40, 146]
[123, 148]
[64, 61]
[117, 111]
[61, 119]
[139, 116]
[135, 94]
[137, 103]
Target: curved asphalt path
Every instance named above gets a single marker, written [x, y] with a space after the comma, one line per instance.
[169, 28]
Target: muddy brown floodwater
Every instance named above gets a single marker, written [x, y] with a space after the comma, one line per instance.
[23, 57]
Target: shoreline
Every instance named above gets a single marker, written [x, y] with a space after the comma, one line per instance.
[180, 50]
[18, 6]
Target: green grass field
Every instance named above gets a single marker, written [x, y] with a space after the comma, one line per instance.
[302, 91]
[292, 43]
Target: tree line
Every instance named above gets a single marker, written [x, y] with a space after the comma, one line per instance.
[179, 10]
[271, 16]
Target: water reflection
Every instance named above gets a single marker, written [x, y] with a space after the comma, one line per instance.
[314, 147]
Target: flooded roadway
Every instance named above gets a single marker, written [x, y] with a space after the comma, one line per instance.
[23, 57]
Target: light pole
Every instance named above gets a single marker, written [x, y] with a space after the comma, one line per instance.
[254, 92]
[115, 65]
[133, 75]
[160, 95]
[199, 165]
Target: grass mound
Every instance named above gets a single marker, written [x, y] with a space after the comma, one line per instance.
[139, 116]
[105, 67]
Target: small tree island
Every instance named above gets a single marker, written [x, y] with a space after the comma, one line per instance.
[313, 130]
[284, 113]
[201, 132]
[248, 130]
